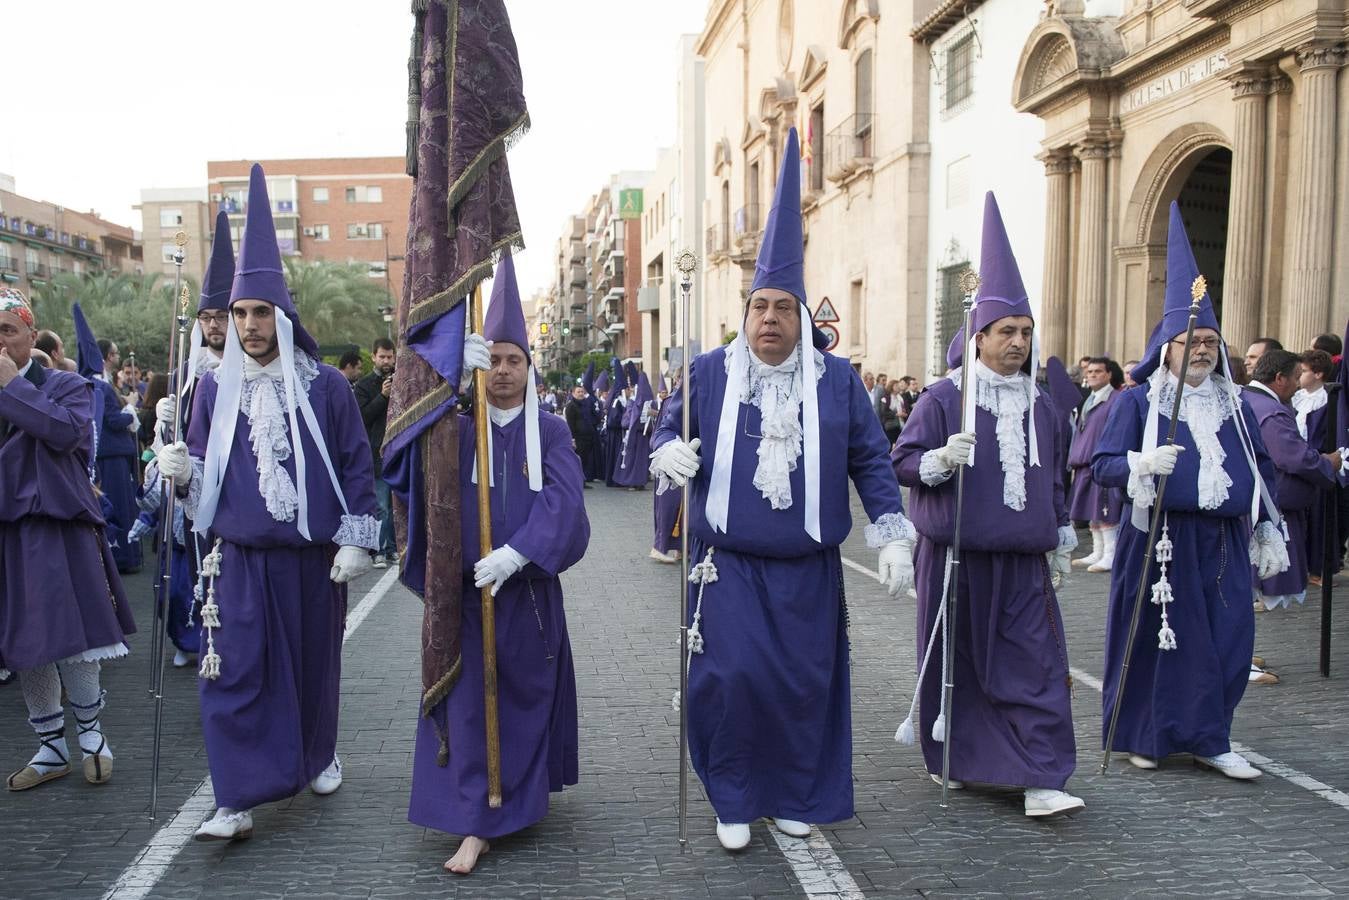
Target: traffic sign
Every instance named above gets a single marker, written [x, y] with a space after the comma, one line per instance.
[830, 332]
[825, 312]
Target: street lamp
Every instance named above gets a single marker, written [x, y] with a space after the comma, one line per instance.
[386, 312]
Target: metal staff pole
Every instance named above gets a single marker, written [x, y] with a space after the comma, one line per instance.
[969, 284]
[167, 504]
[1330, 550]
[1197, 291]
[489, 626]
[687, 263]
[162, 570]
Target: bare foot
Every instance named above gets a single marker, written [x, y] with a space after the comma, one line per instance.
[466, 857]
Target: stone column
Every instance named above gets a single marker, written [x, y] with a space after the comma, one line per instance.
[1089, 292]
[1058, 252]
[1307, 291]
[1243, 278]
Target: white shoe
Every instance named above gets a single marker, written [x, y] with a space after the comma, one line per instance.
[791, 827]
[1097, 548]
[664, 557]
[734, 836]
[1233, 765]
[226, 825]
[952, 783]
[1142, 762]
[181, 660]
[380, 561]
[1042, 802]
[329, 780]
[1107, 560]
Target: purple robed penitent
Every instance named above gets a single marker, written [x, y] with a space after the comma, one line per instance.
[1302, 474]
[634, 460]
[665, 512]
[270, 720]
[1089, 501]
[1012, 712]
[60, 595]
[770, 730]
[536, 680]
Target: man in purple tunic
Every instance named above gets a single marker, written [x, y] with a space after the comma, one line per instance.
[62, 608]
[614, 408]
[1011, 722]
[116, 451]
[1302, 473]
[1309, 411]
[539, 529]
[782, 426]
[634, 461]
[665, 546]
[277, 469]
[1191, 658]
[1098, 506]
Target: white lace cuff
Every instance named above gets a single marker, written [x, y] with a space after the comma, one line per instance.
[932, 470]
[1142, 488]
[1269, 553]
[887, 528]
[193, 499]
[1067, 539]
[358, 531]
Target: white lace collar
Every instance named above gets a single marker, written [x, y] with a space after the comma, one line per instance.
[1306, 403]
[207, 361]
[1007, 397]
[264, 401]
[1204, 407]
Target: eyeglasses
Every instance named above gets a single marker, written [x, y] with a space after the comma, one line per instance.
[220, 318]
[1205, 343]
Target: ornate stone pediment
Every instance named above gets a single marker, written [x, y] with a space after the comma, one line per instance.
[1063, 52]
[812, 70]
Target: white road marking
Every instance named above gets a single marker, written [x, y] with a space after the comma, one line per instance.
[816, 865]
[154, 859]
[1265, 763]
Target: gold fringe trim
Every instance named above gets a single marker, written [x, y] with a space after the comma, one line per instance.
[444, 301]
[414, 413]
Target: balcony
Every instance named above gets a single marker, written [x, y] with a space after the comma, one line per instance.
[39, 270]
[578, 276]
[578, 251]
[849, 149]
[748, 228]
[649, 295]
[613, 267]
[718, 241]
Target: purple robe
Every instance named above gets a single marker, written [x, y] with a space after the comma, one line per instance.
[1011, 719]
[536, 679]
[116, 456]
[634, 460]
[1181, 700]
[614, 411]
[60, 594]
[1089, 501]
[1315, 548]
[1301, 476]
[770, 728]
[584, 419]
[270, 720]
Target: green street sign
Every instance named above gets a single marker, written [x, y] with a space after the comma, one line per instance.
[630, 203]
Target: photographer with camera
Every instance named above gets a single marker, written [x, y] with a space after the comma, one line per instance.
[372, 395]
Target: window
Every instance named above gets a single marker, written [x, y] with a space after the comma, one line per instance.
[373, 231]
[371, 194]
[319, 232]
[170, 218]
[856, 312]
[862, 129]
[815, 140]
[949, 312]
[166, 251]
[77, 267]
[958, 183]
[320, 195]
[959, 74]
[31, 257]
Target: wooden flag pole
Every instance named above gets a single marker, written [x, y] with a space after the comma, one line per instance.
[489, 628]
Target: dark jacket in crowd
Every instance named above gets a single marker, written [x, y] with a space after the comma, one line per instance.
[374, 412]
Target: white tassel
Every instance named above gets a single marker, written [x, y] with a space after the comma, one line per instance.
[210, 614]
[905, 733]
[939, 728]
[674, 701]
[1161, 590]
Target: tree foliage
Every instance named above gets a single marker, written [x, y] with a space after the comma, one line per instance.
[338, 304]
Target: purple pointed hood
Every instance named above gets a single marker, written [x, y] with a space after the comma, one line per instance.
[617, 378]
[505, 319]
[1181, 271]
[1066, 395]
[644, 393]
[218, 282]
[602, 382]
[1001, 291]
[259, 274]
[588, 378]
[662, 389]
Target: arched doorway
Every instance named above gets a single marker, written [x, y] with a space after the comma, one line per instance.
[1203, 202]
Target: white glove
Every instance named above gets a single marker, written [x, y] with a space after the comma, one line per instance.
[175, 464]
[958, 450]
[496, 567]
[677, 461]
[138, 531]
[1161, 461]
[896, 567]
[1269, 551]
[350, 562]
[477, 355]
[166, 410]
[1067, 539]
[1060, 566]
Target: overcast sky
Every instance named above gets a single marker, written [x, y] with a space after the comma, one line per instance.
[108, 98]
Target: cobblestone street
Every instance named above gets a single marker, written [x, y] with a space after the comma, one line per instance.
[1178, 831]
